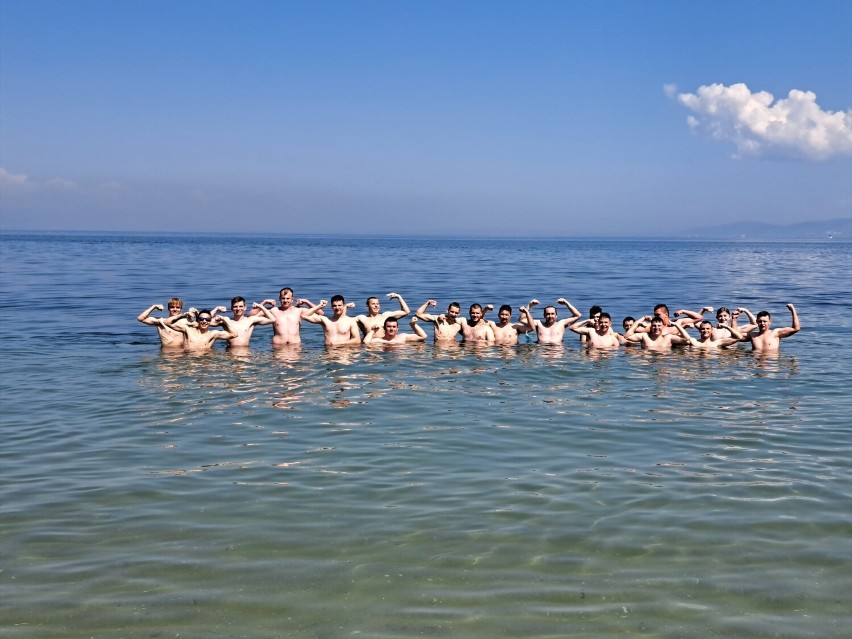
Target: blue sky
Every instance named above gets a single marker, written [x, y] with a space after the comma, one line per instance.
[448, 118]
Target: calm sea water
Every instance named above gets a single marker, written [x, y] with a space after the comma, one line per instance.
[448, 492]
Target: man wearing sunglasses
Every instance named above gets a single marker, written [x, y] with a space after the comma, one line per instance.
[170, 337]
[198, 335]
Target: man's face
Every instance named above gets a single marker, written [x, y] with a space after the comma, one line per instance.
[604, 324]
[596, 318]
[763, 323]
[664, 313]
[391, 330]
[338, 307]
[475, 314]
[286, 298]
[505, 316]
[453, 313]
[723, 317]
[203, 322]
[238, 308]
[656, 327]
[626, 324]
[549, 315]
[373, 306]
[705, 330]
[175, 308]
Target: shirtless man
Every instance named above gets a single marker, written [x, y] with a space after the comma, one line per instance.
[447, 326]
[339, 329]
[244, 324]
[551, 330]
[505, 332]
[654, 338]
[594, 315]
[169, 336]
[767, 339]
[707, 340]
[475, 328]
[391, 336]
[598, 332]
[199, 337]
[375, 318]
[287, 317]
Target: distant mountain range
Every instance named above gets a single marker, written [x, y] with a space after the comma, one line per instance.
[837, 229]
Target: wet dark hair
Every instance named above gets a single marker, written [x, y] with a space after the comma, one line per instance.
[606, 316]
[236, 299]
[660, 307]
[390, 319]
[595, 310]
[763, 314]
[337, 298]
[505, 307]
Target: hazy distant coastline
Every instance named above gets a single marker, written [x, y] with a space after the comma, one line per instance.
[836, 229]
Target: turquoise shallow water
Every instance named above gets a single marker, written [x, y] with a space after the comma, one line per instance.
[457, 492]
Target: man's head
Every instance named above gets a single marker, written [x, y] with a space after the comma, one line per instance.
[475, 313]
[627, 322]
[604, 323]
[549, 315]
[453, 311]
[238, 306]
[657, 325]
[202, 318]
[505, 314]
[663, 311]
[285, 296]
[175, 306]
[595, 314]
[391, 326]
[763, 320]
[723, 315]
[705, 329]
[373, 306]
[338, 305]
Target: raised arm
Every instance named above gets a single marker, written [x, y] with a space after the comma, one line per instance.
[230, 331]
[173, 321]
[144, 315]
[581, 327]
[422, 314]
[403, 307]
[790, 330]
[369, 335]
[574, 312]
[419, 333]
[528, 318]
[309, 315]
[264, 315]
[693, 314]
[630, 335]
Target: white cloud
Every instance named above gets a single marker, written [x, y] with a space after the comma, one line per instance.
[21, 182]
[794, 127]
[13, 180]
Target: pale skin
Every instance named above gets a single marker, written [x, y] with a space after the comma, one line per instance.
[287, 317]
[392, 337]
[764, 338]
[339, 329]
[506, 332]
[654, 339]
[199, 337]
[446, 326]
[475, 328]
[244, 324]
[375, 318]
[598, 333]
[551, 330]
[170, 337]
[706, 339]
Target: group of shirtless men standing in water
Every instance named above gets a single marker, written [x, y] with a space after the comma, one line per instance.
[192, 330]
